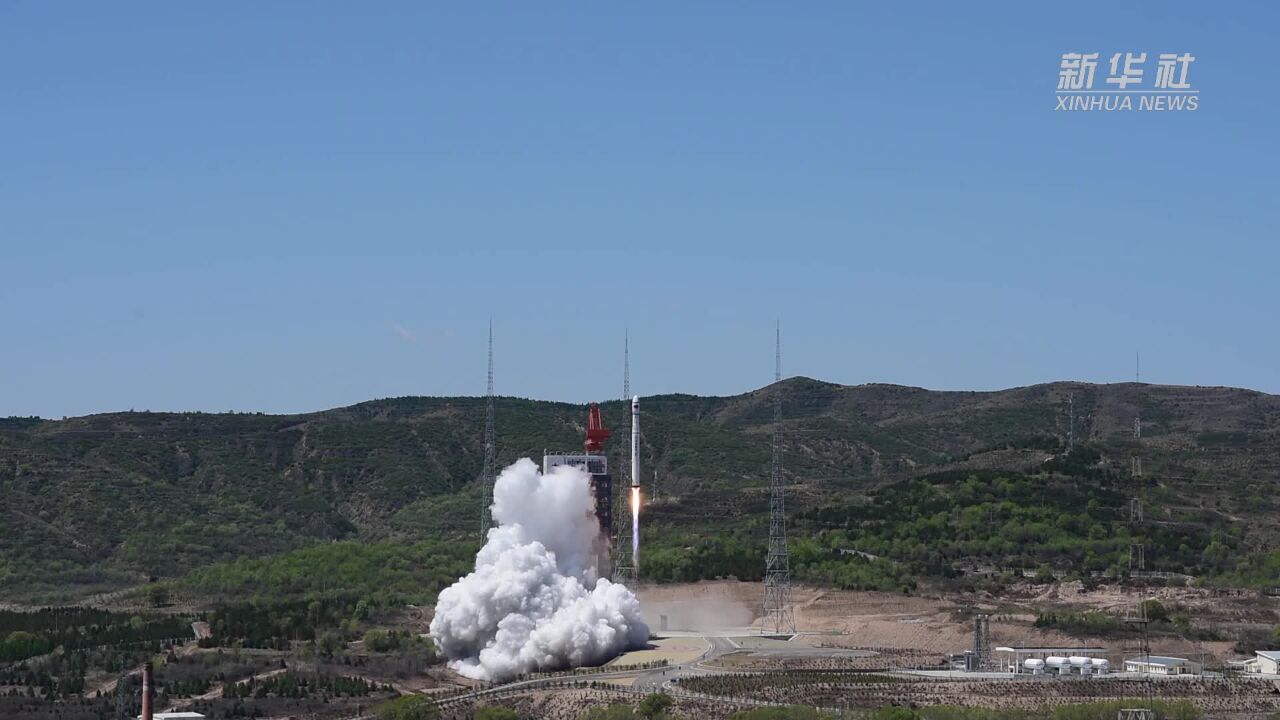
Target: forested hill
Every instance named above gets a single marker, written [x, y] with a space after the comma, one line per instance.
[109, 500]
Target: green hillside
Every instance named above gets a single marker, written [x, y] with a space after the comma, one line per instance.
[931, 483]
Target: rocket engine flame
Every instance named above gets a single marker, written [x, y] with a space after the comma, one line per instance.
[635, 529]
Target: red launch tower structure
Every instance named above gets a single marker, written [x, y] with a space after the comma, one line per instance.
[597, 433]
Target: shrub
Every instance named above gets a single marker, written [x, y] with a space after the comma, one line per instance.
[409, 707]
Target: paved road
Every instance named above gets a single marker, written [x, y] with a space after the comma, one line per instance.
[660, 679]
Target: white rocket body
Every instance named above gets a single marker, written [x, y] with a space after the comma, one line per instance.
[635, 441]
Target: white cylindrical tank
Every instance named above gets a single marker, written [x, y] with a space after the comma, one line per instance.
[1035, 666]
[1101, 666]
[1057, 663]
[1080, 661]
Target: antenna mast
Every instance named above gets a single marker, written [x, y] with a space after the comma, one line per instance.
[778, 613]
[489, 474]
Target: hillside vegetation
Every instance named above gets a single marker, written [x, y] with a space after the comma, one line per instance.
[887, 483]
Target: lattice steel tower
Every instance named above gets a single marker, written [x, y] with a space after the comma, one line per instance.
[489, 474]
[1071, 420]
[623, 571]
[1139, 622]
[778, 612]
[982, 641]
[1137, 550]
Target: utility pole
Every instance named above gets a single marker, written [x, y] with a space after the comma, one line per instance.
[489, 474]
[778, 612]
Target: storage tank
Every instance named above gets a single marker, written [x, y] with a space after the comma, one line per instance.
[1081, 664]
[1101, 666]
[1059, 664]
[1035, 666]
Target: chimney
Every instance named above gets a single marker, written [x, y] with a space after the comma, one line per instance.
[148, 689]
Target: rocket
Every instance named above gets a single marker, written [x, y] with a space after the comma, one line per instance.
[635, 441]
[635, 483]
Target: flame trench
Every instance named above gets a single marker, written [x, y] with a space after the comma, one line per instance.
[635, 529]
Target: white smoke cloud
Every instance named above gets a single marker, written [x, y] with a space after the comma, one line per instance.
[533, 602]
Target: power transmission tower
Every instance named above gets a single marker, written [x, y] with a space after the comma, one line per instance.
[1140, 623]
[623, 570]
[778, 612]
[1137, 551]
[1071, 420]
[489, 474]
[1139, 620]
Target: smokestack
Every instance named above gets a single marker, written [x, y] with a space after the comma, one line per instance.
[635, 441]
[148, 689]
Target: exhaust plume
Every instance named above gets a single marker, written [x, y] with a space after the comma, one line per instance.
[533, 602]
[635, 529]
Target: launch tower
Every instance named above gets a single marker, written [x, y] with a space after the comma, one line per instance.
[593, 461]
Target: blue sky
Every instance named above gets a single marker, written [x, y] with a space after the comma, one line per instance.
[292, 206]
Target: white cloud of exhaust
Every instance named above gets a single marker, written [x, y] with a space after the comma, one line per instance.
[533, 602]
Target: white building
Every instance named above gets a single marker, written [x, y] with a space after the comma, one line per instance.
[176, 716]
[1162, 665]
[1266, 662]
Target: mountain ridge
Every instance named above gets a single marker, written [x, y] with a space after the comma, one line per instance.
[667, 395]
[106, 499]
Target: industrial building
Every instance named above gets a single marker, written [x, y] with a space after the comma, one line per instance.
[176, 716]
[1052, 660]
[1265, 662]
[1162, 665]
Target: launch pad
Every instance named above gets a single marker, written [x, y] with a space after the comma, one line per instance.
[593, 461]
